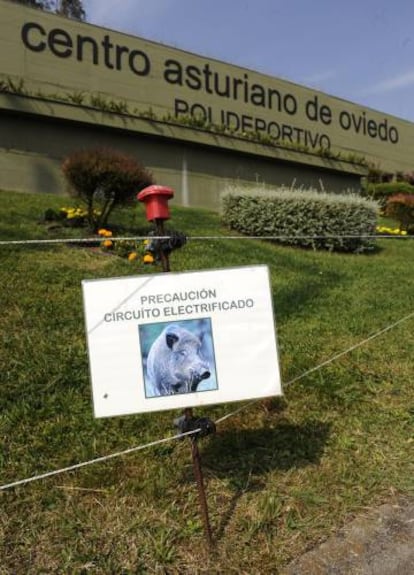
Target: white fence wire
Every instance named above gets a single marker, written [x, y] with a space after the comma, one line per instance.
[199, 238]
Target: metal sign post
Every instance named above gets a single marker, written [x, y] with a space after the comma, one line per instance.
[202, 427]
[156, 204]
[198, 472]
[163, 255]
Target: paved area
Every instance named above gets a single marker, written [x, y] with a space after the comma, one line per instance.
[378, 543]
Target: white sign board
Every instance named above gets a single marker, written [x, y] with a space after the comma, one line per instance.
[175, 340]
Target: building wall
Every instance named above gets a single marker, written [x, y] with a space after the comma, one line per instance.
[66, 85]
[32, 149]
[55, 55]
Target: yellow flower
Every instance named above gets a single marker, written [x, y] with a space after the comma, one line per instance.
[107, 243]
[148, 259]
[403, 233]
[105, 233]
[132, 256]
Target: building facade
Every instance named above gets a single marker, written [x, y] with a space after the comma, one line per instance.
[197, 123]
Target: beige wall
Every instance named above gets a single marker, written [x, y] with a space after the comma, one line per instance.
[32, 148]
[55, 55]
[58, 74]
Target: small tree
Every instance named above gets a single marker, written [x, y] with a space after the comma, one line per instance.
[70, 8]
[104, 179]
[401, 207]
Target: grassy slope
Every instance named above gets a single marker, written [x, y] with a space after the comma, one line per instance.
[278, 480]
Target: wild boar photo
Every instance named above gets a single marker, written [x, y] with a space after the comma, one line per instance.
[179, 360]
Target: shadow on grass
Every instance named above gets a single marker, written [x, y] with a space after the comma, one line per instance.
[240, 454]
[303, 278]
[300, 277]
[244, 457]
[291, 301]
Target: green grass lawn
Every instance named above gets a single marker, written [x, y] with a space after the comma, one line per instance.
[280, 477]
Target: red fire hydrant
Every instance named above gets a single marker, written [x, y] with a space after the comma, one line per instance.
[157, 211]
[156, 202]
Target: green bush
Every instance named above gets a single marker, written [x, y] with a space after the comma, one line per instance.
[104, 179]
[304, 218]
[381, 192]
[401, 208]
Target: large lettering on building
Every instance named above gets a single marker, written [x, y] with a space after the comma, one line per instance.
[55, 55]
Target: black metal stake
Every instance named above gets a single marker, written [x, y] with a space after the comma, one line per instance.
[198, 472]
[160, 231]
[201, 426]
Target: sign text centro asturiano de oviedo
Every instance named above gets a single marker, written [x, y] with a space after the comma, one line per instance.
[168, 341]
[53, 54]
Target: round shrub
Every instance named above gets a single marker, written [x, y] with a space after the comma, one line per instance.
[401, 208]
[105, 178]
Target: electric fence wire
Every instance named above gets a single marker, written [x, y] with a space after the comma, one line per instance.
[200, 238]
[220, 420]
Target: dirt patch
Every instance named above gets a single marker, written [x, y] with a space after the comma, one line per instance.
[378, 543]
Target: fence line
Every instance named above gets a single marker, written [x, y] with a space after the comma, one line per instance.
[220, 420]
[198, 238]
[96, 460]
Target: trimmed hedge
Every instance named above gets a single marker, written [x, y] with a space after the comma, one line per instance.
[305, 218]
